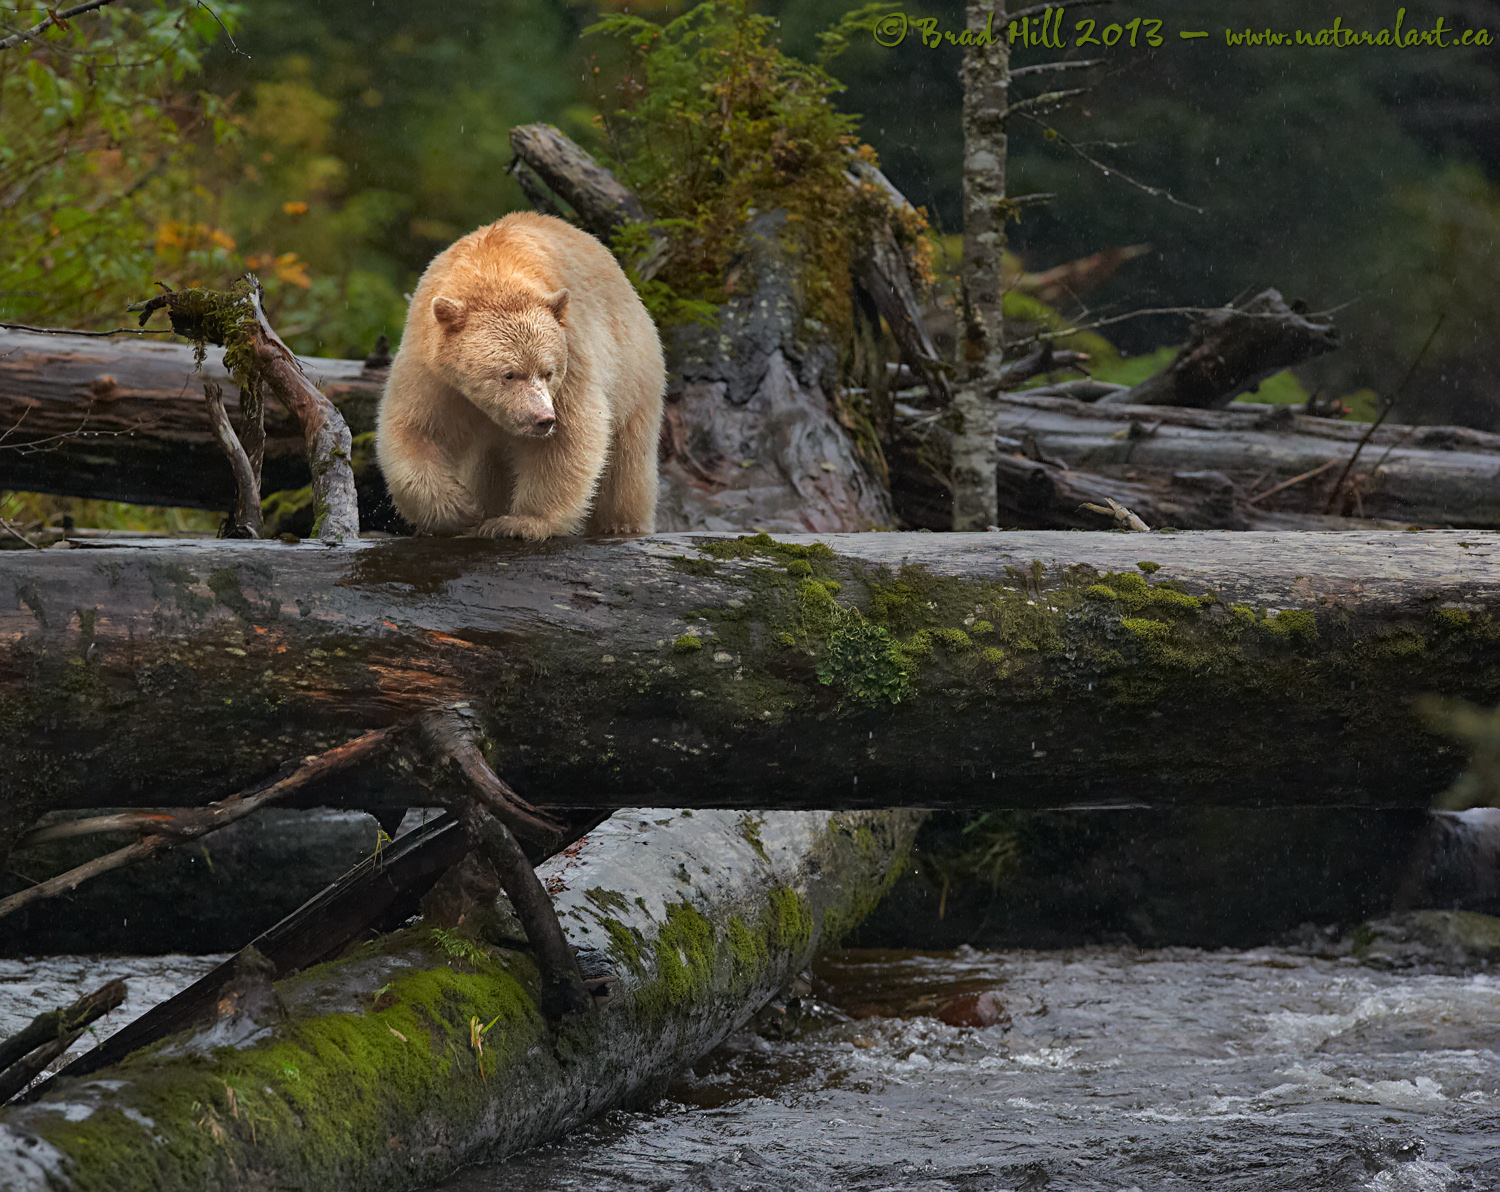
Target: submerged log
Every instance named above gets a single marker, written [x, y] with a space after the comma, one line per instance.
[425, 1050]
[987, 670]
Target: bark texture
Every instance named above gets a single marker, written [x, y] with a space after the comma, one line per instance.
[751, 439]
[988, 670]
[123, 422]
[1037, 489]
[986, 77]
[389, 1068]
[1429, 475]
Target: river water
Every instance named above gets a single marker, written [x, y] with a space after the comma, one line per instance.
[1118, 1069]
[1110, 1069]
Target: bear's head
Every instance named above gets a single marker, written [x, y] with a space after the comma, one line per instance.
[507, 356]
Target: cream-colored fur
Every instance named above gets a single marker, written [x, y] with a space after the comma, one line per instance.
[526, 320]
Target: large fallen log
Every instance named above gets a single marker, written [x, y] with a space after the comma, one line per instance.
[425, 1050]
[987, 670]
[1427, 475]
[1038, 491]
[120, 421]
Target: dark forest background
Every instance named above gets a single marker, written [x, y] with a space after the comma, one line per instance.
[336, 146]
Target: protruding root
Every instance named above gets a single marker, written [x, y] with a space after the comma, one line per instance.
[485, 805]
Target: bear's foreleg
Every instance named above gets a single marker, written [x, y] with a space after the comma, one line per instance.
[627, 494]
[424, 482]
[554, 485]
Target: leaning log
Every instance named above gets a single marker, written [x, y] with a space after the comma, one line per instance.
[1231, 351]
[425, 1050]
[986, 670]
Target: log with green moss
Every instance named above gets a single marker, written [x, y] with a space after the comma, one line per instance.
[424, 1050]
[986, 670]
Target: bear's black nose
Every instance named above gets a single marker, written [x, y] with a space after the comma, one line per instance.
[544, 425]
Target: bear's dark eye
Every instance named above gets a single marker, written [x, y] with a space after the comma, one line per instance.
[510, 376]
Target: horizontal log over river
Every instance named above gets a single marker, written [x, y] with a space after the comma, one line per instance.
[1023, 670]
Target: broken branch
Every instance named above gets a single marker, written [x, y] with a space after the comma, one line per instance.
[169, 831]
[244, 520]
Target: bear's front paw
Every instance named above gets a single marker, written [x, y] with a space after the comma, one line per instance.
[621, 530]
[532, 529]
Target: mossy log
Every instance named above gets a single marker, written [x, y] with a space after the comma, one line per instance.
[126, 422]
[1023, 670]
[424, 1050]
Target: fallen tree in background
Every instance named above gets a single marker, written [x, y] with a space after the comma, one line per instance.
[425, 1050]
[114, 421]
[1275, 465]
[1231, 351]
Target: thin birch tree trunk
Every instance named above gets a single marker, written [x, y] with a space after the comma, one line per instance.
[986, 77]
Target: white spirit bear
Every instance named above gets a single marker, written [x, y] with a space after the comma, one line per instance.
[526, 398]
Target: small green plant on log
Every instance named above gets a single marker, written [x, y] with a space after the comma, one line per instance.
[719, 124]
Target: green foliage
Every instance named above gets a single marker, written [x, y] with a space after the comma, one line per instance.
[100, 142]
[863, 660]
[457, 947]
[720, 124]
[1479, 729]
[372, 136]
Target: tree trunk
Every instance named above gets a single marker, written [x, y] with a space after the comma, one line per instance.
[986, 75]
[751, 439]
[993, 670]
[424, 1051]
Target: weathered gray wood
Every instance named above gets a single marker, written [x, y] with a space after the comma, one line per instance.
[125, 421]
[607, 673]
[1430, 475]
[391, 1067]
[1036, 490]
[750, 436]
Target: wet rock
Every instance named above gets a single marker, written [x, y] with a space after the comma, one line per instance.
[974, 1009]
[1454, 942]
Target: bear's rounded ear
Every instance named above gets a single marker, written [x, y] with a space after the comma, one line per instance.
[449, 312]
[557, 303]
